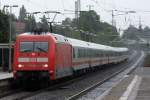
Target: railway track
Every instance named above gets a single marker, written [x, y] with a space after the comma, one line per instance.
[71, 89]
[85, 91]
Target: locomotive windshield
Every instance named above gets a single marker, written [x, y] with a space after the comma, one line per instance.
[33, 46]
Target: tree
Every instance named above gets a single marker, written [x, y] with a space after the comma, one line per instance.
[44, 24]
[4, 27]
[67, 21]
[89, 21]
[22, 14]
[131, 33]
[30, 23]
[89, 28]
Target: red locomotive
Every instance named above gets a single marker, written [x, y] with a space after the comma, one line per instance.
[55, 56]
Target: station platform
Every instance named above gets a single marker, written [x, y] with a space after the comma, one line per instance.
[132, 87]
[5, 75]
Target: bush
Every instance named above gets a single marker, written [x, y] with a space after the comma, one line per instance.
[147, 60]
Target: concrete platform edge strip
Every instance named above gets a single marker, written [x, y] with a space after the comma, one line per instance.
[106, 92]
[127, 93]
[134, 92]
[134, 65]
[129, 89]
[6, 76]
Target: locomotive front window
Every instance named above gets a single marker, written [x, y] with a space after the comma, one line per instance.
[33, 46]
[41, 46]
[26, 46]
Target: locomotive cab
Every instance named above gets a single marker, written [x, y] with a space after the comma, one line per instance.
[31, 57]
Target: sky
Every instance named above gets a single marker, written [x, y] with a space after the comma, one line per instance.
[102, 7]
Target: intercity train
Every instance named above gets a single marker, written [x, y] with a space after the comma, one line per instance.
[52, 56]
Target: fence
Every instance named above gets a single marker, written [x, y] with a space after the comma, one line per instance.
[4, 57]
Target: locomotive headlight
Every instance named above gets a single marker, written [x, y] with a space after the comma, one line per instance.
[46, 65]
[20, 65]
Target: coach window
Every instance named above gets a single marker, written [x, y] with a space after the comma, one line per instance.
[103, 53]
[79, 54]
[100, 54]
[91, 53]
[97, 54]
[88, 53]
[94, 53]
[84, 52]
[73, 53]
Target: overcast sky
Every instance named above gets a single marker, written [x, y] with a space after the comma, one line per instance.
[102, 7]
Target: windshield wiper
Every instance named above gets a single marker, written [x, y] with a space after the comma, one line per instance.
[41, 49]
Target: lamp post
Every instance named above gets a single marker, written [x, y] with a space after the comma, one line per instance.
[10, 32]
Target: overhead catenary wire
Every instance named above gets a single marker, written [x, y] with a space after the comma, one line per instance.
[35, 3]
[124, 9]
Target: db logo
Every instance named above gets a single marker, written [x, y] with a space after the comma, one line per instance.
[33, 54]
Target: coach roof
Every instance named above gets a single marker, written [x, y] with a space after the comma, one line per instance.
[79, 43]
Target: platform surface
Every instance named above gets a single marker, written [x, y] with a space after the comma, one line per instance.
[5, 75]
[133, 87]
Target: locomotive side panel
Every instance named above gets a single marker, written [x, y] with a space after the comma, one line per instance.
[63, 61]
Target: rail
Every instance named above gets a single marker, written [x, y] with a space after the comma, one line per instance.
[78, 95]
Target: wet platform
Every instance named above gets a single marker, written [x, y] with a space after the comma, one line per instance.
[133, 87]
[5, 75]
[5, 79]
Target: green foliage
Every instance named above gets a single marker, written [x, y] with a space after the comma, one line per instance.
[89, 28]
[30, 23]
[147, 60]
[131, 33]
[44, 24]
[4, 27]
[134, 33]
[22, 14]
[67, 21]
[89, 21]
